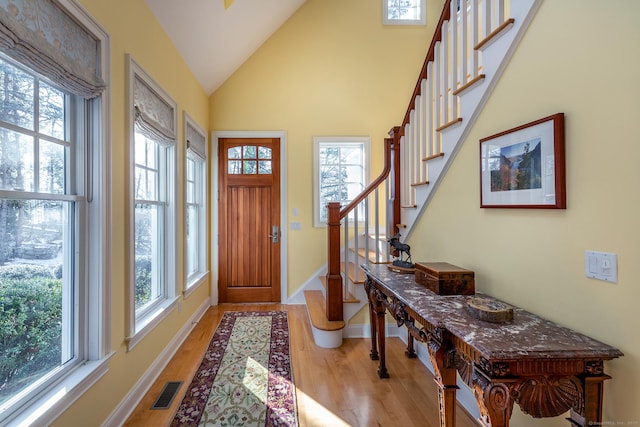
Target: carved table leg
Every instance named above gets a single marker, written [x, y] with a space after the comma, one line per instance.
[373, 320]
[410, 352]
[441, 353]
[589, 412]
[495, 403]
[380, 312]
[373, 302]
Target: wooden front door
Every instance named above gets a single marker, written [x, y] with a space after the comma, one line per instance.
[249, 220]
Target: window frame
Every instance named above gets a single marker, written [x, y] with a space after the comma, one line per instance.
[93, 299]
[193, 281]
[422, 20]
[342, 141]
[139, 324]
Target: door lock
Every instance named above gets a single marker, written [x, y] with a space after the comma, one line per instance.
[275, 234]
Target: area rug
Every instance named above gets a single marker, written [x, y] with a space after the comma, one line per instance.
[245, 378]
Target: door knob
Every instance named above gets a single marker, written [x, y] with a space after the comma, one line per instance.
[275, 234]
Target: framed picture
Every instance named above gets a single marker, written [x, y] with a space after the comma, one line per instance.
[523, 167]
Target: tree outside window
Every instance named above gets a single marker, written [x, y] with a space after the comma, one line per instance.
[341, 172]
[404, 12]
[38, 215]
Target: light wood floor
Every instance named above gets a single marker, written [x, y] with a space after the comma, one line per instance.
[334, 387]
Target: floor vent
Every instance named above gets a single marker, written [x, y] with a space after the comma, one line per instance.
[167, 394]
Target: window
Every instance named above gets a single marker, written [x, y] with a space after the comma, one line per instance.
[249, 160]
[404, 12]
[340, 172]
[54, 208]
[39, 213]
[153, 291]
[196, 213]
[45, 220]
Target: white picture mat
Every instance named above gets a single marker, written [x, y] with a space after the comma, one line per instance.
[538, 196]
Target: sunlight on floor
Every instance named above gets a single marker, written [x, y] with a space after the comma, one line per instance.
[315, 414]
[309, 410]
[256, 379]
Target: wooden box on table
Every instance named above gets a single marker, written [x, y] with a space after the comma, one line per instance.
[445, 279]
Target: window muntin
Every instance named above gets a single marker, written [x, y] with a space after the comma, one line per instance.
[404, 12]
[40, 328]
[249, 160]
[340, 173]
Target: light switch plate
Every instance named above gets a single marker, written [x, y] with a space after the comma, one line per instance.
[601, 266]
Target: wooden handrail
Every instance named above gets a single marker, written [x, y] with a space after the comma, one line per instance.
[335, 214]
[334, 217]
[437, 37]
[388, 142]
[423, 141]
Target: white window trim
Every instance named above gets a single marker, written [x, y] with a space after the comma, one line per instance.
[140, 328]
[195, 281]
[388, 21]
[56, 399]
[317, 141]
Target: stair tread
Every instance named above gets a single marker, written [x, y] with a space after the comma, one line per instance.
[356, 275]
[316, 306]
[346, 295]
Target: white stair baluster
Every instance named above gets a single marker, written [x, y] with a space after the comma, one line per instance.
[423, 129]
[473, 30]
[453, 59]
[444, 75]
[499, 12]
[486, 18]
[463, 32]
[430, 111]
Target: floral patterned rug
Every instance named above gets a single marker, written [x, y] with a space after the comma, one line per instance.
[245, 378]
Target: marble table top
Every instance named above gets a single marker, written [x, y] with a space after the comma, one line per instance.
[526, 336]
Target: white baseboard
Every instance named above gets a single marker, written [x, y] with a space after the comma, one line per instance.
[357, 331]
[127, 405]
[312, 284]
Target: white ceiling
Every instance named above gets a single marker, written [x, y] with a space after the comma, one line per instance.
[213, 41]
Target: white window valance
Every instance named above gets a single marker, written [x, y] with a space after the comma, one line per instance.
[196, 141]
[155, 112]
[41, 35]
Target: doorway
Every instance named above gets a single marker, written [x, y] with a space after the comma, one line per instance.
[249, 219]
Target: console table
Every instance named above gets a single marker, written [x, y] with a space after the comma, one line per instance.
[545, 368]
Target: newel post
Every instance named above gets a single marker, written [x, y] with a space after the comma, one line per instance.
[395, 199]
[334, 278]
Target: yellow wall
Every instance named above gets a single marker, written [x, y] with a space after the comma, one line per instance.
[133, 29]
[331, 69]
[579, 58]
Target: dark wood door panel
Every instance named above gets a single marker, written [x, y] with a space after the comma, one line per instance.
[249, 263]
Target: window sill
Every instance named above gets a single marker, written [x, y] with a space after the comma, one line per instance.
[60, 397]
[195, 283]
[150, 321]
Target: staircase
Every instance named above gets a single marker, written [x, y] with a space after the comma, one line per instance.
[472, 45]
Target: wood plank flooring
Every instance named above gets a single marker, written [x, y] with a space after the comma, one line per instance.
[334, 387]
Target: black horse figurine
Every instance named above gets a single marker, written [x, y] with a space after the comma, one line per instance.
[404, 252]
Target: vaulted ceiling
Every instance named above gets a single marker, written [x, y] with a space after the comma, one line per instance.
[214, 40]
